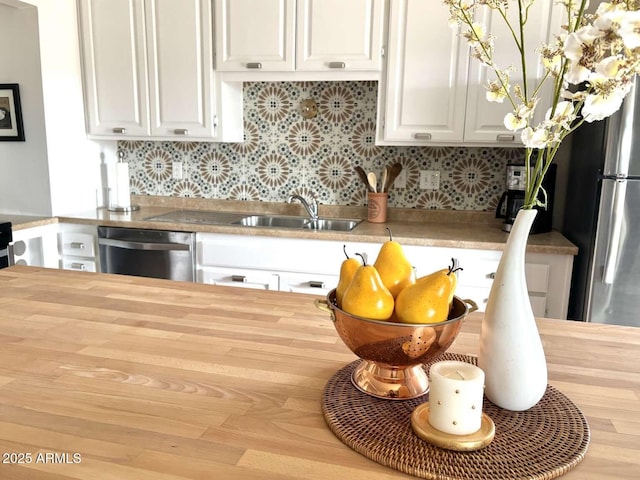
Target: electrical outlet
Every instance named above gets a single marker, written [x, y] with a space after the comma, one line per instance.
[401, 179]
[176, 169]
[429, 179]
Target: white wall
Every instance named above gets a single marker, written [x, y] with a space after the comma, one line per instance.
[24, 170]
[65, 176]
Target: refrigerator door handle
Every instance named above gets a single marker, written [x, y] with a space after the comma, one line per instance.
[615, 231]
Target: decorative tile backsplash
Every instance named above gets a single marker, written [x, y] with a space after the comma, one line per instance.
[284, 153]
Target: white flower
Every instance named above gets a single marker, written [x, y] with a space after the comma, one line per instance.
[576, 46]
[477, 33]
[563, 115]
[518, 119]
[599, 106]
[513, 122]
[609, 67]
[629, 29]
[497, 91]
[537, 138]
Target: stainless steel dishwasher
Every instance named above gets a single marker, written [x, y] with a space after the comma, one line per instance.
[148, 253]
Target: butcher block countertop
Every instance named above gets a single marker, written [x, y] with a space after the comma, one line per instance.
[117, 377]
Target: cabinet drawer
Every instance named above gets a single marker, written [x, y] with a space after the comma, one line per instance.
[239, 277]
[77, 244]
[479, 273]
[79, 265]
[308, 283]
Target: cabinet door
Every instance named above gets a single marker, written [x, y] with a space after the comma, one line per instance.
[240, 277]
[180, 65]
[114, 61]
[484, 119]
[311, 283]
[255, 34]
[426, 75]
[334, 34]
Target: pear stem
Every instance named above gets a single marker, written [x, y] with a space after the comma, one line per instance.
[390, 234]
[453, 268]
[344, 249]
[364, 260]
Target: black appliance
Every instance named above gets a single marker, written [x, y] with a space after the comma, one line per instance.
[602, 217]
[6, 252]
[513, 199]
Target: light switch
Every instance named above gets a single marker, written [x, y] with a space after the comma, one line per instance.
[176, 169]
[430, 179]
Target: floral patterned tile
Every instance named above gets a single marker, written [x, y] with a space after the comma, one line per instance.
[283, 153]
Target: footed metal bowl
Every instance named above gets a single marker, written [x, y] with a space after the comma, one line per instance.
[393, 353]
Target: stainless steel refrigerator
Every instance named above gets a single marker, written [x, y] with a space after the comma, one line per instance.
[602, 217]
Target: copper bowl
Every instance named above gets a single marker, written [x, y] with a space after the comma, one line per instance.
[393, 354]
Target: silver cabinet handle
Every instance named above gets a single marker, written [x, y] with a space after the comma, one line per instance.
[422, 136]
[239, 278]
[316, 284]
[77, 245]
[78, 266]
[181, 131]
[254, 65]
[133, 245]
[491, 276]
[337, 65]
[505, 137]
[118, 130]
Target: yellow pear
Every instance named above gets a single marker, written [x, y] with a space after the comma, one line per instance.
[393, 266]
[347, 271]
[367, 296]
[429, 299]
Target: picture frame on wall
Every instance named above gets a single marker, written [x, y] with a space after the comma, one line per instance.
[11, 129]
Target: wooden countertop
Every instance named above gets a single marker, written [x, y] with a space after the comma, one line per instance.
[151, 379]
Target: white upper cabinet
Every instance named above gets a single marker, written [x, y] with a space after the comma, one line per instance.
[433, 93]
[424, 93]
[331, 36]
[148, 72]
[180, 58]
[334, 34]
[255, 34]
[114, 67]
[484, 119]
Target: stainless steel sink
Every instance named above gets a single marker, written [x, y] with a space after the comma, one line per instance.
[304, 223]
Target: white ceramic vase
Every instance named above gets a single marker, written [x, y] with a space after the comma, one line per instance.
[511, 352]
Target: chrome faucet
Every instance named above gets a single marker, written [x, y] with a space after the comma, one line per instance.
[311, 208]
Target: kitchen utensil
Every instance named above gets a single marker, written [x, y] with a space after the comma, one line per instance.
[373, 181]
[393, 353]
[363, 176]
[383, 182]
[394, 171]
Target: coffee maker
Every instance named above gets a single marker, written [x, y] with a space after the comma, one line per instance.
[513, 198]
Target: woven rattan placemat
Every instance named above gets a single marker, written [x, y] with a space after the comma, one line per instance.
[543, 442]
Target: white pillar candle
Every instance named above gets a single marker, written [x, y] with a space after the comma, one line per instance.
[455, 397]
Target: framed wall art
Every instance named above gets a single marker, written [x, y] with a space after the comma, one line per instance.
[11, 129]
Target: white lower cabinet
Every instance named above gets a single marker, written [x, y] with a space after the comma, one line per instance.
[36, 246]
[313, 283]
[240, 277]
[77, 247]
[313, 266]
